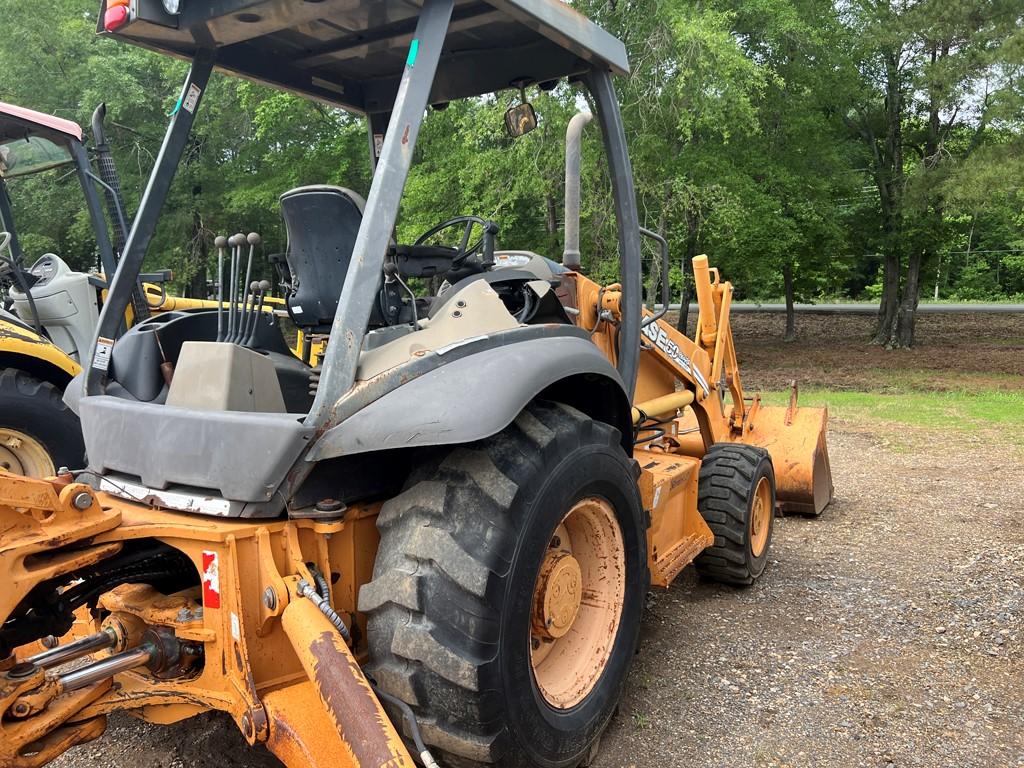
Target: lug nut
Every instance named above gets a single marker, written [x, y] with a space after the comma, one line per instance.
[82, 500]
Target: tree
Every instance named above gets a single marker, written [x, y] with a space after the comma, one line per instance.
[922, 63]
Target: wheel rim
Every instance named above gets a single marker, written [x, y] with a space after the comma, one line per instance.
[577, 603]
[22, 454]
[760, 517]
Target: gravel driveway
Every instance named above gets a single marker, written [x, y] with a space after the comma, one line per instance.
[886, 633]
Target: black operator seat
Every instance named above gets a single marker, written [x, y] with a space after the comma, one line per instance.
[321, 222]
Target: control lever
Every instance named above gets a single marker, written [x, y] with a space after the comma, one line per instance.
[235, 241]
[262, 288]
[253, 239]
[221, 243]
[166, 367]
[490, 231]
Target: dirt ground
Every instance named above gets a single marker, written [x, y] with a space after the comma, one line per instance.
[952, 352]
[885, 633]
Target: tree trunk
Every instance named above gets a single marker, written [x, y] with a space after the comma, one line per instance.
[787, 279]
[888, 307]
[889, 178]
[197, 287]
[904, 335]
[656, 278]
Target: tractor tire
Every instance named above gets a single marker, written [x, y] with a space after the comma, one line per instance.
[38, 432]
[483, 561]
[736, 498]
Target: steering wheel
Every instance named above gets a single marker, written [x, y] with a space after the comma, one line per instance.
[11, 272]
[464, 250]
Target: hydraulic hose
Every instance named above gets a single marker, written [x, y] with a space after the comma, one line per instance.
[325, 608]
[410, 717]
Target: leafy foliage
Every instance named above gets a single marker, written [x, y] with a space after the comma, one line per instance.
[808, 138]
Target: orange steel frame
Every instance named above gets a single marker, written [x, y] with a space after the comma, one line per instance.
[273, 661]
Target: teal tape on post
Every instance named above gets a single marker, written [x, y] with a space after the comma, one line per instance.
[414, 48]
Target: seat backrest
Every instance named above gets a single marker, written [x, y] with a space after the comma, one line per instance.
[321, 222]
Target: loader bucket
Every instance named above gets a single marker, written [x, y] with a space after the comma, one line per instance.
[795, 438]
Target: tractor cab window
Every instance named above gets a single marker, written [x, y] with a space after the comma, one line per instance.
[31, 154]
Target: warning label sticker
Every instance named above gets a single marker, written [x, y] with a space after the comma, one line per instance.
[191, 98]
[211, 579]
[101, 357]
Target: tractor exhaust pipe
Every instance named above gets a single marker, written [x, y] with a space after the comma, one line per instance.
[107, 172]
[573, 155]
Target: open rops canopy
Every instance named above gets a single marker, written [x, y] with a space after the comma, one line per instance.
[352, 54]
[387, 59]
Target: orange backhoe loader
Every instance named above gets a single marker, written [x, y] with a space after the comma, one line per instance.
[435, 546]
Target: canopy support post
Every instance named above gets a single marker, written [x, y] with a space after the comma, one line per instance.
[599, 82]
[357, 295]
[144, 225]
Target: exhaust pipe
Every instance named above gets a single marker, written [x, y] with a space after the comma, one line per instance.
[107, 172]
[573, 154]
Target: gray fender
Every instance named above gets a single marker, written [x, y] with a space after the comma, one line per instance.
[479, 395]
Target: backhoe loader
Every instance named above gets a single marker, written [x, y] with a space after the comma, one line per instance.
[437, 549]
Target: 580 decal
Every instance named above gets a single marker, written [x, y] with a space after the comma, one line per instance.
[659, 337]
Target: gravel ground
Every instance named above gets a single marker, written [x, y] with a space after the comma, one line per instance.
[885, 633]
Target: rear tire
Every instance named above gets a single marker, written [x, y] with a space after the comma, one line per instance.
[38, 432]
[452, 605]
[736, 498]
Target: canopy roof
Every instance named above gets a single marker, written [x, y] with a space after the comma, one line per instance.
[15, 121]
[351, 53]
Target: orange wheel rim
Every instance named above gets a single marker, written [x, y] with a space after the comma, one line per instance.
[577, 603]
[21, 454]
[760, 517]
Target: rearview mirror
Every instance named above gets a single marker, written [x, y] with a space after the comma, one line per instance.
[520, 120]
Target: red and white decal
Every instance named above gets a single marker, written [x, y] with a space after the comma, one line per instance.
[211, 579]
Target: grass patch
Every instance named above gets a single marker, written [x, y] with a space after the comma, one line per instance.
[927, 381]
[962, 411]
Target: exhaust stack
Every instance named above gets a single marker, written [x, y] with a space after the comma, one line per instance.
[573, 154]
[111, 184]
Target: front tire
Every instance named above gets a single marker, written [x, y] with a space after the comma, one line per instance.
[736, 498]
[38, 432]
[476, 571]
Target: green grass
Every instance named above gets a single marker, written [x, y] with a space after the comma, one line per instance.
[985, 410]
[929, 381]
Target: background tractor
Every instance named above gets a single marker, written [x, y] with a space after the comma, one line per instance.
[438, 541]
[49, 311]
